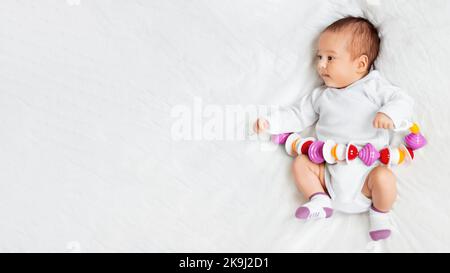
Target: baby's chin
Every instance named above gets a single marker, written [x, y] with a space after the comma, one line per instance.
[331, 84]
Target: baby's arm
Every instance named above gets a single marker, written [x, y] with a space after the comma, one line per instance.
[294, 118]
[396, 108]
[383, 121]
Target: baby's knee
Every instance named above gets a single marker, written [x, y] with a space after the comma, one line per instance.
[383, 177]
[301, 161]
[302, 165]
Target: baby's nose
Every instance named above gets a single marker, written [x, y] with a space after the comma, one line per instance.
[322, 64]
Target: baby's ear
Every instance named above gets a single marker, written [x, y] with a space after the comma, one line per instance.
[363, 64]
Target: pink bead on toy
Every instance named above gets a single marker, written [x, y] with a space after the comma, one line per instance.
[280, 139]
[415, 141]
[368, 154]
[315, 152]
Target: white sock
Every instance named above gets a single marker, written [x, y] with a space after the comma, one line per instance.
[380, 226]
[318, 207]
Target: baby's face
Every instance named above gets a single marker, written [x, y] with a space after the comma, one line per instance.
[335, 64]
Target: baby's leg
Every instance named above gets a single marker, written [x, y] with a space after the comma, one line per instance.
[381, 187]
[309, 178]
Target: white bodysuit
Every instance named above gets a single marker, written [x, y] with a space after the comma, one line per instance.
[346, 115]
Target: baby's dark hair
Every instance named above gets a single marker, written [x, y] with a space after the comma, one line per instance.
[365, 40]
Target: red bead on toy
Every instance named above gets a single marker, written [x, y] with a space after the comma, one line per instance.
[305, 147]
[352, 152]
[411, 152]
[385, 156]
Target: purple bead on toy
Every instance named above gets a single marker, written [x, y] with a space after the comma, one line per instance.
[415, 141]
[315, 152]
[368, 154]
[280, 139]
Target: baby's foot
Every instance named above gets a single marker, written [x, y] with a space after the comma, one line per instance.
[318, 207]
[379, 224]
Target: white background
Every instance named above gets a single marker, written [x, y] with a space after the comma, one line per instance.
[87, 159]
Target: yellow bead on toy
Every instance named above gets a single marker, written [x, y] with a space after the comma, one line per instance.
[402, 156]
[414, 128]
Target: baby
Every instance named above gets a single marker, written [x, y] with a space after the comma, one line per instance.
[356, 105]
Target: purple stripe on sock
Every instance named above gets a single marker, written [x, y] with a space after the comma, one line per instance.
[377, 210]
[317, 193]
[380, 234]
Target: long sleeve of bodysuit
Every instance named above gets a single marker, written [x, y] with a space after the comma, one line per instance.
[395, 103]
[297, 117]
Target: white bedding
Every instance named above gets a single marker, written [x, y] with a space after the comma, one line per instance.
[87, 159]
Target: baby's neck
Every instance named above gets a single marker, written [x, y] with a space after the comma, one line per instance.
[359, 77]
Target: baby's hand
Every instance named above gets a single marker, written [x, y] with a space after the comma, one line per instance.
[383, 121]
[260, 125]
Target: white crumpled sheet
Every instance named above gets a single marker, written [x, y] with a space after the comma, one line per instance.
[88, 162]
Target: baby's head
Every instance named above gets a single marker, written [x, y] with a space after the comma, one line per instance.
[346, 51]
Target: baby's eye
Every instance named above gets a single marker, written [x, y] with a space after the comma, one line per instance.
[330, 58]
[319, 57]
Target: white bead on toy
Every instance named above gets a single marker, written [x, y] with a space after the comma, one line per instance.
[333, 152]
[396, 156]
[340, 152]
[296, 145]
[303, 145]
[327, 151]
[290, 142]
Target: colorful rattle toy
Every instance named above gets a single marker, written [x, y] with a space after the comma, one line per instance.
[331, 152]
